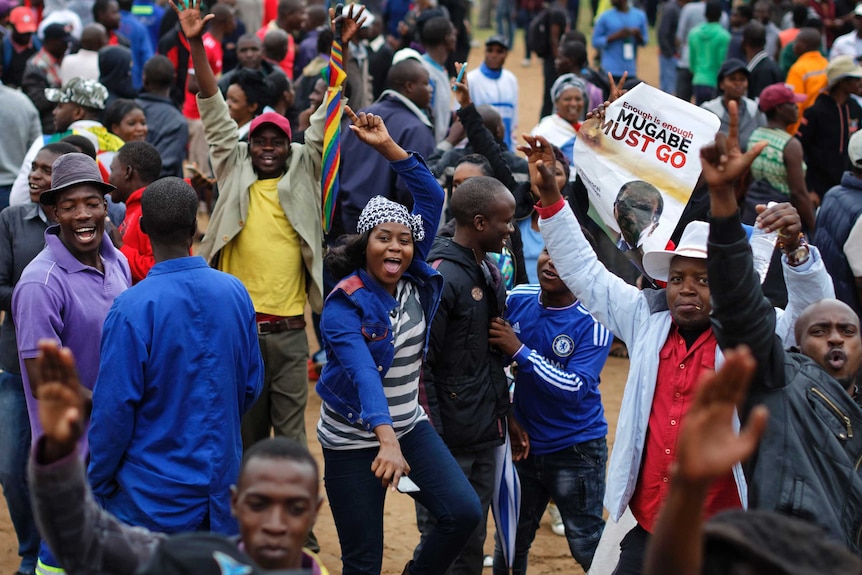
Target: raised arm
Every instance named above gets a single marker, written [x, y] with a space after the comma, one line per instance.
[426, 191]
[620, 307]
[740, 313]
[84, 537]
[193, 26]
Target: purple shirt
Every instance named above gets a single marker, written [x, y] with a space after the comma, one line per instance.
[60, 298]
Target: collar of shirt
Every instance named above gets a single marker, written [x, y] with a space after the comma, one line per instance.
[70, 263]
[410, 105]
[177, 265]
[756, 60]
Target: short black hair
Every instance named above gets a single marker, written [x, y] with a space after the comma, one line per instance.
[82, 143]
[142, 157]
[60, 148]
[743, 10]
[277, 83]
[159, 72]
[575, 51]
[255, 88]
[118, 109]
[347, 255]
[475, 197]
[324, 41]
[799, 14]
[435, 30]
[713, 11]
[754, 35]
[100, 6]
[278, 448]
[169, 208]
[407, 70]
[477, 160]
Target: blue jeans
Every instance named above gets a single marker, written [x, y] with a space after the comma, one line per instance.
[667, 73]
[14, 451]
[505, 22]
[575, 478]
[356, 498]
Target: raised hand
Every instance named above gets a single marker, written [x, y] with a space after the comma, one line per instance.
[350, 22]
[617, 87]
[782, 218]
[723, 161]
[62, 402]
[542, 163]
[371, 130]
[189, 13]
[708, 447]
[462, 88]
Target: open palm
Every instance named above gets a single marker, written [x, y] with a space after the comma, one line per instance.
[189, 15]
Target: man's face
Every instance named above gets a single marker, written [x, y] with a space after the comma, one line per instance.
[451, 39]
[688, 292]
[238, 107]
[39, 179]
[497, 223]
[120, 178]
[110, 18]
[634, 217]
[81, 212]
[761, 13]
[548, 278]
[21, 39]
[276, 503]
[249, 54]
[420, 91]
[464, 172]
[64, 114]
[290, 21]
[269, 148]
[317, 94]
[734, 86]
[495, 56]
[831, 338]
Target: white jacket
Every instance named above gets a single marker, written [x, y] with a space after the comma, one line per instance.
[642, 320]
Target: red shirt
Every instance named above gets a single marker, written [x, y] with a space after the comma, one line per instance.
[214, 56]
[136, 244]
[678, 371]
[286, 64]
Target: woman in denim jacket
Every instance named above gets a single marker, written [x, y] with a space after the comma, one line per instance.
[374, 328]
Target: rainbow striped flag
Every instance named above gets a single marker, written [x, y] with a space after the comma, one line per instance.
[331, 161]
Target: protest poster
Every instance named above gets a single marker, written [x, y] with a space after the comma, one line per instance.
[640, 165]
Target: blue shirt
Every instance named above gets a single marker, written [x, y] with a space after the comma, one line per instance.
[614, 53]
[150, 15]
[557, 398]
[533, 244]
[141, 45]
[180, 365]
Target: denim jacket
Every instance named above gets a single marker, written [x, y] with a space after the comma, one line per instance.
[355, 325]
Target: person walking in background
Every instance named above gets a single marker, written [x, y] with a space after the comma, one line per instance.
[618, 33]
[668, 49]
[707, 48]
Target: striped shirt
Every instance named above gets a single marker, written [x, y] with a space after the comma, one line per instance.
[400, 383]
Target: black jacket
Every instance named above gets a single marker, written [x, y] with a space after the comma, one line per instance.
[464, 387]
[825, 133]
[808, 462]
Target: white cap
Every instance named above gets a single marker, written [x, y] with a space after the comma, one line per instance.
[854, 149]
[692, 244]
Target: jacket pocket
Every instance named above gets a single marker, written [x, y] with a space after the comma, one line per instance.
[468, 411]
[792, 501]
[831, 414]
[375, 331]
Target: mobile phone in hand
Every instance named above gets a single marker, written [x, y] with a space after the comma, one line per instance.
[406, 485]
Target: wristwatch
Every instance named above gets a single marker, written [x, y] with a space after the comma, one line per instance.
[800, 255]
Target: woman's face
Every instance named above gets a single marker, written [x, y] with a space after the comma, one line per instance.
[389, 253]
[39, 179]
[570, 104]
[133, 126]
[238, 107]
[788, 113]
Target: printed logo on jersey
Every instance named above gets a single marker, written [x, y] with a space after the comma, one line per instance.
[230, 566]
[516, 327]
[563, 345]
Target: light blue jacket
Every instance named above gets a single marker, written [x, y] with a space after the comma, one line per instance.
[642, 320]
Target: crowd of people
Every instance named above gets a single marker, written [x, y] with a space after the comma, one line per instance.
[464, 299]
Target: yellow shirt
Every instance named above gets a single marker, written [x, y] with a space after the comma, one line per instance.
[266, 255]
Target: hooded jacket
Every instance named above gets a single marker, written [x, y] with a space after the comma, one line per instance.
[466, 393]
[825, 132]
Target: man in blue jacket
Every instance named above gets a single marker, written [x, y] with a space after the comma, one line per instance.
[364, 172]
[177, 375]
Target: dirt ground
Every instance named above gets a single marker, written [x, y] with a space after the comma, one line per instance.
[549, 553]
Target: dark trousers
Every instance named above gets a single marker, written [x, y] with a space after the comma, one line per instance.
[632, 552]
[478, 468]
[356, 498]
[683, 84]
[575, 478]
[704, 93]
[550, 73]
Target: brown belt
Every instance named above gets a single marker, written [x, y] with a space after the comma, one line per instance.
[280, 325]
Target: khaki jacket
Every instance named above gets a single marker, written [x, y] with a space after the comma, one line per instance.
[298, 189]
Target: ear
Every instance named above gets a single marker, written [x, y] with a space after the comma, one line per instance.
[479, 222]
[142, 224]
[128, 171]
[79, 113]
[193, 230]
[234, 499]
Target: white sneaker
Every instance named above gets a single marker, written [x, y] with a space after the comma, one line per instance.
[556, 521]
[487, 562]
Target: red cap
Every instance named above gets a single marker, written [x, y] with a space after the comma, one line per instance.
[23, 20]
[273, 118]
[778, 94]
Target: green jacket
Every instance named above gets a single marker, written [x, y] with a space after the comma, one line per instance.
[298, 189]
[707, 49]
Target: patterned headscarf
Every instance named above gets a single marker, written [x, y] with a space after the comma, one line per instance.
[565, 82]
[379, 210]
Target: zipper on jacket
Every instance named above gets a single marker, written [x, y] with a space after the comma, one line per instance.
[840, 413]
